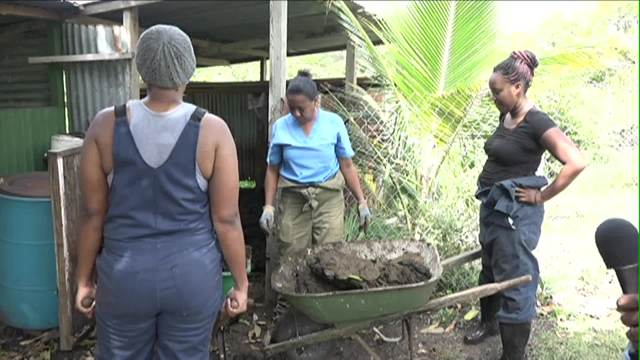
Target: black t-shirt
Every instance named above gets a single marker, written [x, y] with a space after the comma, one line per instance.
[515, 152]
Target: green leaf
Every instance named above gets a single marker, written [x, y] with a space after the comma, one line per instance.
[572, 59]
[434, 53]
[439, 46]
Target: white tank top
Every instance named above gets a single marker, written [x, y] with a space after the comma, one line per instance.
[156, 133]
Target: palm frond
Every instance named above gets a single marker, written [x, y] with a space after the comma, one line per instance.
[572, 59]
[433, 53]
[439, 46]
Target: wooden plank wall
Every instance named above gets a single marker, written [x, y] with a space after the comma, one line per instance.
[66, 209]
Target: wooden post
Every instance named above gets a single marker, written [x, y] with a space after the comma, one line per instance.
[278, 57]
[277, 83]
[263, 69]
[130, 22]
[351, 66]
[67, 210]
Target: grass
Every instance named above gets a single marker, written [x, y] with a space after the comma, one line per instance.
[577, 291]
[582, 345]
[458, 279]
[582, 290]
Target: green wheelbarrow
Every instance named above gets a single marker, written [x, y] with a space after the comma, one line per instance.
[342, 313]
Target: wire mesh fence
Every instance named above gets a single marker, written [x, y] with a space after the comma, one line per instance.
[402, 169]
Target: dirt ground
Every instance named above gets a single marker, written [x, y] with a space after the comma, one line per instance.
[243, 338]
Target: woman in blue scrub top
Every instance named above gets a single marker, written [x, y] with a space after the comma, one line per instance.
[309, 162]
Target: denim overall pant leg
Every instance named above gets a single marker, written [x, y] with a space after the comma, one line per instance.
[509, 232]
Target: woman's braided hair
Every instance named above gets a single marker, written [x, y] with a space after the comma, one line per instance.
[519, 66]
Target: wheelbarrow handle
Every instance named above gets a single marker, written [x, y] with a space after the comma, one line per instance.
[463, 258]
[473, 293]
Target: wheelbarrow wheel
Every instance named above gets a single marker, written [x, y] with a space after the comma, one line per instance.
[293, 324]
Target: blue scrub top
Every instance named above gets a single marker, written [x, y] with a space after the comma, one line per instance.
[309, 159]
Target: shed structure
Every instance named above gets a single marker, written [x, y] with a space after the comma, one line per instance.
[62, 61]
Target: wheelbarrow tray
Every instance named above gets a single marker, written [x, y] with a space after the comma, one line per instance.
[344, 307]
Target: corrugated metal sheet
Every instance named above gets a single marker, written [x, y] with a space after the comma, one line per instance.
[245, 113]
[94, 85]
[23, 84]
[31, 106]
[25, 135]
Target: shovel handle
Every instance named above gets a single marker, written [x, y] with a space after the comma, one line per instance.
[224, 319]
[461, 259]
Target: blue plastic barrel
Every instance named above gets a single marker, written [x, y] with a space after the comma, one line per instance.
[28, 289]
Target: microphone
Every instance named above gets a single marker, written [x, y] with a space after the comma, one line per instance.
[617, 242]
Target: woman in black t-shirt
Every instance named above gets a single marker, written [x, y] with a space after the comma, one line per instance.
[512, 196]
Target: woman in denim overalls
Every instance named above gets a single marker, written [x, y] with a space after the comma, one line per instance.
[512, 199]
[158, 176]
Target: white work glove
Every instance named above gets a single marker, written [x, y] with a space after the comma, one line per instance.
[267, 221]
[364, 214]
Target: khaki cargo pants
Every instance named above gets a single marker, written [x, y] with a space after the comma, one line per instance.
[309, 215]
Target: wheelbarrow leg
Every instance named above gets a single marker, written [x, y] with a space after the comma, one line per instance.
[408, 326]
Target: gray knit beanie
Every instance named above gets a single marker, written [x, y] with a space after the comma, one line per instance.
[164, 57]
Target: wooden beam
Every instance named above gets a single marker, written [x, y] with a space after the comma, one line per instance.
[78, 58]
[350, 71]
[251, 47]
[204, 61]
[89, 20]
[277, 84]
[108, 6]
[247, 44]
[311, 43]
[130, 23]
[28, 11]
[241, 47]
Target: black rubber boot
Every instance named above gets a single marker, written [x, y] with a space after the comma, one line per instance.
[514, 340]
[488, 325]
